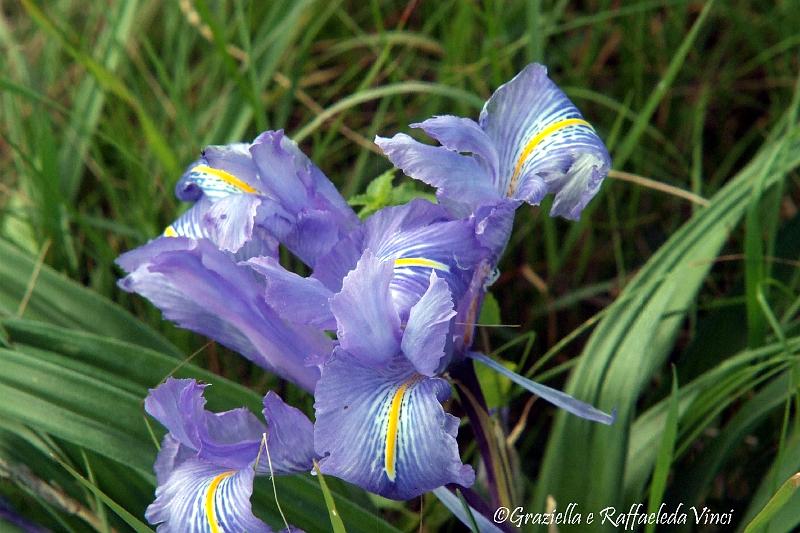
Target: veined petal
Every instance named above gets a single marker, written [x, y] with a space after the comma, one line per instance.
[556, 397]
[290, 438]
[221, 172]
[312, 235]
[170, 456]
[544, 144]
[235, 159]
[461, 134]
[421, 237]
[229, 223]
[190, 223]
[202, 289]
[385, 430]
[427, 337]
[368, 325]
[461, 180]
[297, 299]
[201, 497]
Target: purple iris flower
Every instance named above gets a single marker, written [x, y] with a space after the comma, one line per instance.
[401, 293]
[248, 198]
[207, 462]
[255, 195]
[402, 296]
[529, 141]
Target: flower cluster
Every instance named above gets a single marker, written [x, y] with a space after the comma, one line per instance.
[390, 305]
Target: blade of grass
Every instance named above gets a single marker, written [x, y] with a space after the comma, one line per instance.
[630, 142]
[665, 454]
[336, 521]
[774, 505]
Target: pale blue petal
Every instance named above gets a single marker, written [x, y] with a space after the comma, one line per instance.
[197, 494]
[190, 223]
[234, 158]
[202, 289]
[422, 237]
[221, 171]
[354, 408]
[229, 439]
[461, 180]
[427, 336]
[316, 213]
[297, 299]
[544, 145]
[556, 397]
[290, 438]
[368, 325]
[230, 221]
[332, 268]
[462, 135]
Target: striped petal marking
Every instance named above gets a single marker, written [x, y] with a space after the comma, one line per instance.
[392, 426]
[536, 140]
[217, 183]
[420, 262]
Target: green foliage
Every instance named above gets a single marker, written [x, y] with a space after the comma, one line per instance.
[102, 105]
[381, 193]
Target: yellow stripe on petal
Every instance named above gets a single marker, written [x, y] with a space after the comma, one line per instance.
[390, 457]
[170, 232]
[211, 513]
[420, 262]
[534, 142]
[227, 177]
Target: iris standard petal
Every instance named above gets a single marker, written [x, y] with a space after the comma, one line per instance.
[385, 429]
[556, 397]
[312, 235]
[427, 337]
[367, 323]
[544, 144]
[320, 216]
[420, 237]
[297, 299]
[290, 438]
[461, 134]
[230, 439]
[201, 497]
[320, 193]
[202, 289]
[462, 182]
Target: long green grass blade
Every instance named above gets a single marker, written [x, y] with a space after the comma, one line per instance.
[336, 520]
[774, 505]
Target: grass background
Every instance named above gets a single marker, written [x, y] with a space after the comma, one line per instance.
[681, 313]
